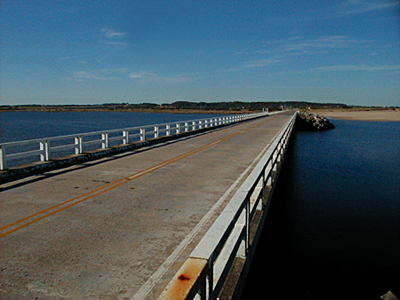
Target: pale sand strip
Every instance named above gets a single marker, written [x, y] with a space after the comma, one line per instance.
[370, 115]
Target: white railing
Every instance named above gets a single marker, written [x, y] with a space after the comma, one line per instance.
[45, 149]
[204, 273]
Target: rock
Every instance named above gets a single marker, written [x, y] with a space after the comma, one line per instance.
[309, 121]
[389, 296]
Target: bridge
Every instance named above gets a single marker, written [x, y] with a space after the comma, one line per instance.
[173, 219]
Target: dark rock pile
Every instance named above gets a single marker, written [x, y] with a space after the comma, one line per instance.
[309, 121]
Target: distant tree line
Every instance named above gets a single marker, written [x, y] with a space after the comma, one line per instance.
[240, 105]
[179, 105]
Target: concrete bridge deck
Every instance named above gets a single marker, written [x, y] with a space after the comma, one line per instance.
[121, 227]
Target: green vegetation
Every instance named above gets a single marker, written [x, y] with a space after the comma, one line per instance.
[179, 106]
[252, 106]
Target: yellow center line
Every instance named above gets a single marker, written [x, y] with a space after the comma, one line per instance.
[74, 201]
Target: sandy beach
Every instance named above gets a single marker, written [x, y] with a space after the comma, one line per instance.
[389, 115]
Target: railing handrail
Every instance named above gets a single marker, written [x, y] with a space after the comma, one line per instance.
[45, 148]
[101, 131]
[230, 232]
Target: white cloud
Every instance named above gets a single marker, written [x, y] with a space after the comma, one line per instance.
[282, 50]
[260, 63]
[347, 8]
[173, 79]
[123, 73]
[359, 68]
[142, 75]
[111, 33]
[88, 75]
[326, 42]
[148, 77]
[293, 46]
[103, 74]
[352, 7]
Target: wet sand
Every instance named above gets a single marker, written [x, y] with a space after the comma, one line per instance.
[361, 115]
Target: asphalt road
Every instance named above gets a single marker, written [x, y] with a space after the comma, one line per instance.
[120, 227]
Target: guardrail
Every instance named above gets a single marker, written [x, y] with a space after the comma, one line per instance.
[46, 149]
[206, 270]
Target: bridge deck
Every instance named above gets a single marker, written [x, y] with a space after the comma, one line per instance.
[120, 227]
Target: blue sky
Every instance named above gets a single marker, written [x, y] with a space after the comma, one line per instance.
[67, 52]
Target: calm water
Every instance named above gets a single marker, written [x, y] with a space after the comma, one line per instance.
[333, 229]
[17, 126]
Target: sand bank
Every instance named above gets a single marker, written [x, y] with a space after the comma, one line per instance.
[361, 115]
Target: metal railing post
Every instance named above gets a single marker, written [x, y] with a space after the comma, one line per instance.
[203, 288]
[125, 134]
[3, 161]
[79, 145]
[45, 147]
[260, 205]
[156, 131]
[210, 276]
[105, 140]
[167, 129]
[247, 224]
[142, 134]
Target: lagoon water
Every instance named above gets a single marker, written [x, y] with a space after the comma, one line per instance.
[17, 126]
[333, 229]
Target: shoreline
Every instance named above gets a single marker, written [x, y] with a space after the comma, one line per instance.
[168, 111]
[386, 115]
[378, 115]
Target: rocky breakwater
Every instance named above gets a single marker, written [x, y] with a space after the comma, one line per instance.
[309, 121]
